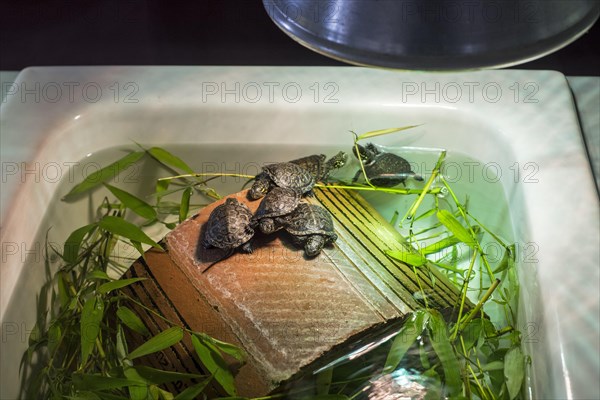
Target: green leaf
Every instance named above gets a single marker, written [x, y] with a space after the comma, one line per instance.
[119, 226]
[493, 366]
[412, 328]
[410, 258]
[472, 332]
[168, 159]
[98, 274]
[514, 371]
[384, 132]
[438, 334]
[135, 204]
[508, 259]
[137, 391]
[73, 243]
[185, 204]
[132, 321]
[119, 283]
[63, 292]
[98, 382]
[440, 245]
[54, 337]
[91, 315]
[158, 377]
[159, 342]
[215, 364]
[84, 395]
[109, 172]
[455, 227]
[323, 381]
[225, 347]
[193, 392]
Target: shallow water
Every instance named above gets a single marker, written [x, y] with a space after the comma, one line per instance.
[468, 178]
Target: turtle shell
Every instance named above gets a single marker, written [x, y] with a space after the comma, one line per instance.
[290, 175]
[315, 164]
[391, 169]
[228, 225]
[310, 219]
[279, 201]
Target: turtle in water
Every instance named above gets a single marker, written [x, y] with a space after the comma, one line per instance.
[318, 167]
[311, 227]
[229, 227]
[285, 175]
[383, 169]
[278, 202]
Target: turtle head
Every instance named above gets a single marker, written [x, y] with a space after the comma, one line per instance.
[313, 246]
[337, 161]
[259, 188]
[364, 153]
[267, 226]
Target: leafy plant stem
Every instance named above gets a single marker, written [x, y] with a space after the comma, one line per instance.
[480, 304]
[413, 210]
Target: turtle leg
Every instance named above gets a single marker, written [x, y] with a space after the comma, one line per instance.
[314, 244]
[247, 247]
[357, 175]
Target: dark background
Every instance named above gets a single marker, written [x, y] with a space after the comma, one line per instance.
[207, 32]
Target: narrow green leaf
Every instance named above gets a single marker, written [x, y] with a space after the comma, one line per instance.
[138, 391]
[514, 371]
[493, 366]
[132, 321]
[54, 335]
[98, 382]
[508, 259]
[440, 245]
[135, 204]
[214, 363]
[159, 342]
[84, 395]
[98, 177]
[438, 333]
[119, 283]
[73, 243]
[193, 392]
[91, 315]
[384, 132]
[158, 377]
[168, 159]
[471, 333]
[227, 348]
[412, 328]
[63, 292]
[324, 381]
[98, 274]
[414, 259]
[426, 214]
[185, 204]
[120, 227]
[455, 227]
[110, 396]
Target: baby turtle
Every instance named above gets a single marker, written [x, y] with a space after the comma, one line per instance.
[285, 175]
[229, 227]
[383, 169]
[311, 227]
[318, 167]
[278, 202]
